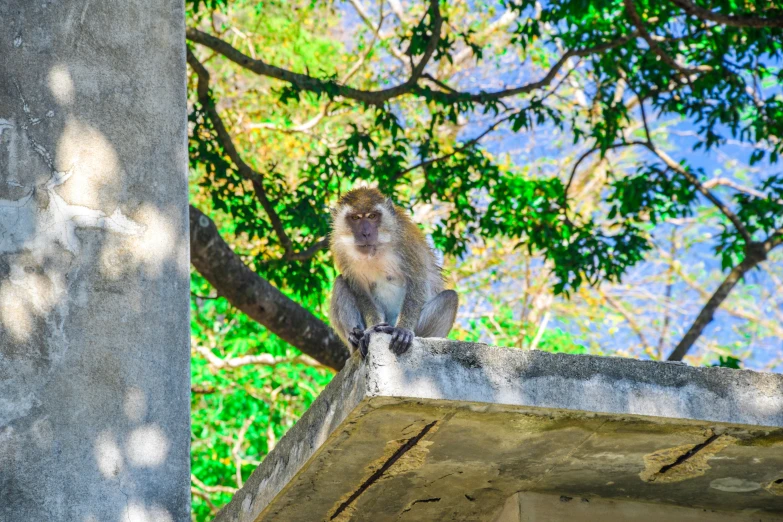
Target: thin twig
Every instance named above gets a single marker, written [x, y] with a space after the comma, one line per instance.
[693, 180]
[264, 359]
[628, 318]
[636, 19]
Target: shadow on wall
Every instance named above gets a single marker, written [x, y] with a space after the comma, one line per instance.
[94, 369]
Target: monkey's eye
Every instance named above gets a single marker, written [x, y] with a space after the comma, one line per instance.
[355, 217]
[372, 215]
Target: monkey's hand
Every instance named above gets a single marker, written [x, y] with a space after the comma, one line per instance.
[363, 336]
[355, 338]
[401, 338]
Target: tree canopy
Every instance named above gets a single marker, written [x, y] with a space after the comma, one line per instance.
[538, 133]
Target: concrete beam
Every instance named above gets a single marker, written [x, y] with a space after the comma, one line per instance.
[94, 284]
[453, 431]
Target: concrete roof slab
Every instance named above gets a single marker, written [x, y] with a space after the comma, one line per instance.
[453, 431]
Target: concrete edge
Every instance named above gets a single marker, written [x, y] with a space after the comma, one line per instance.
[479, 373]
[303, 441]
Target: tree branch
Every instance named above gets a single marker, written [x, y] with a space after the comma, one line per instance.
[263, 359]
[244, 169]
[587, 153]
[308, 83]
[396, 176]
[483, 97]
[211, 489]
[755, 253]
[627, 316]
[257, 298]
[693, 180]
[636, 19]
[725, 182]
[753, 22]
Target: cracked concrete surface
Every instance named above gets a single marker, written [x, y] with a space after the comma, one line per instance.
[469, 432]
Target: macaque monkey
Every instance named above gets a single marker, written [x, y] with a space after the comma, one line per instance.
[390, 281]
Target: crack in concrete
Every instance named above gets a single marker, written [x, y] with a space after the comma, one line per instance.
[127, 499]
[419, 501]
[410, 444]
[686, 456]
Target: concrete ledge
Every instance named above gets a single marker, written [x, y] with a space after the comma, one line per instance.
[452, 431]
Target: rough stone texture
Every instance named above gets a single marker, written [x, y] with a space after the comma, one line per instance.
[535, 507]
[94, 335]
[453, 431]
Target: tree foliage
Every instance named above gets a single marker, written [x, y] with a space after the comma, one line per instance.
[432, 101]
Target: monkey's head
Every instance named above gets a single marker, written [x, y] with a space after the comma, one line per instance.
[364, 220]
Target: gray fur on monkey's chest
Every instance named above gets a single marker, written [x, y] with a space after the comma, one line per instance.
[388, 293]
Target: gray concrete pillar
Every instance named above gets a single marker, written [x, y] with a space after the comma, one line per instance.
[94, 336]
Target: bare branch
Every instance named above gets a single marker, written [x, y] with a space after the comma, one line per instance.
[201, 390]
[725, 182]
[211, 489]
[668, 294]
[546, 80]
[753, 22]
[257, 298]
[264, 359]
[310, 251]
[212, 507]
[755, 253]
[591, 151]
[627, 316]
[236, 450]
[457, 150]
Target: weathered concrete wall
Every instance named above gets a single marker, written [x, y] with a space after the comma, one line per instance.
[94, 336]
[453, 431]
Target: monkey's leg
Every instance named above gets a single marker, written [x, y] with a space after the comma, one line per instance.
[437, 316]
[344, 314]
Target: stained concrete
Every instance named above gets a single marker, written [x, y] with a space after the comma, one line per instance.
[94, 335]
[458, 431]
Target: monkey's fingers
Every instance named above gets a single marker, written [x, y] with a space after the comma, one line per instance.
[364, 345]
[401, 340]
[383, 328]
[354, 337]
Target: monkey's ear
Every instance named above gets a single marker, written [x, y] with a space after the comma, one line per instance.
[389, 204]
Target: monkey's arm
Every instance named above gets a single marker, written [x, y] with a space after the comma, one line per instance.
[402, 333]
[349, 313]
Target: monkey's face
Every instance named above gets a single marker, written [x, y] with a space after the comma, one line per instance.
[364, 227]
[364, 230]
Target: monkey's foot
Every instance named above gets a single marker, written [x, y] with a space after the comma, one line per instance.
[401, 338]
[363, 336]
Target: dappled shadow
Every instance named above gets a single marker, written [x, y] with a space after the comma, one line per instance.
[94, 275]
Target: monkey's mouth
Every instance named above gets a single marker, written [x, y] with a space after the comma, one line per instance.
[366, 249]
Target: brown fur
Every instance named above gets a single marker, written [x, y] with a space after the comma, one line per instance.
[398, 280]
[407, 240]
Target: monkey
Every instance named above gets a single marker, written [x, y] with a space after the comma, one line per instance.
[389, 281]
